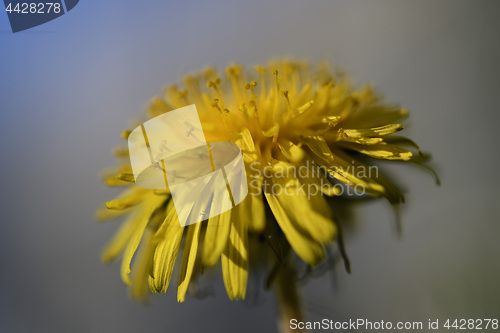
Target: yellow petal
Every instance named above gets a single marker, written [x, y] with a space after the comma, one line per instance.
[253, 206]
[401, 140]
[168, 237]
[317, 178]
[128, 198]
[121, 237]
[382, 151]
[303, 108]
[363, 141]
[343, 167]
[247, 145]
[303, 202]
[373, 182]
[373, 132]
[121, 152]
[109, 177]
[309, 250]
[158, 106]
[114, 181]
[235, 260]
[216, 237]
[126, 177]
[188, 260]
[151, 202]
[292, 152]
[104, 214]
[123, 203]
[142, 265]
[371, 113]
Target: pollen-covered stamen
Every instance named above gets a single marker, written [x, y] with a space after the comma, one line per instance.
[252, 108]
[182, 95]
[215, 104]
[262, 81]
[284, 93]
[223, 113]
[194, 87]
[233, 73]
[172, 96]
[250, 86]
[294, 78]
[253, 98]
[215, 85]
[276, 110]
[209, 73]
[275, 73]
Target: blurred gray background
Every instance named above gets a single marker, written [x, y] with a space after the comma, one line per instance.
[69, 87]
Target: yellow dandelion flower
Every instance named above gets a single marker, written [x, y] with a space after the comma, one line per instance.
[302, 132]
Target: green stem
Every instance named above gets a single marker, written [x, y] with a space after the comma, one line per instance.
[288, 300]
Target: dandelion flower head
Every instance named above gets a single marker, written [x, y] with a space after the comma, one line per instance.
[283, 116]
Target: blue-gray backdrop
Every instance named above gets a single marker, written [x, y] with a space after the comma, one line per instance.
[69, 87]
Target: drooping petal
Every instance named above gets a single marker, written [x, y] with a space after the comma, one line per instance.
[253, 204]
[302, 201]
[339, 167]
[114, 181]
[104, 214]
[403, 141]
[235, 260]
[151, 203]
[216, 237]
[188, 260]
[126, 202]
[307, 248]
[142, 266]
[168, 237]
[373, 178]
[121, 237]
